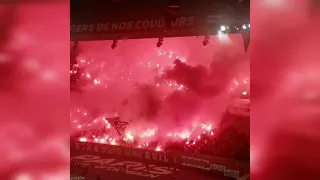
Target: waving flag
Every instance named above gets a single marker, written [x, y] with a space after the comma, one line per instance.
[119, 125]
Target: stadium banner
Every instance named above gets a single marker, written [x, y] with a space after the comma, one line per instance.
[157, 26]
[210, 166]
[196, 163]
[126, 151]
[231, 173]
[229, 168]
[132, 25]
[193, 24]
[135, 167]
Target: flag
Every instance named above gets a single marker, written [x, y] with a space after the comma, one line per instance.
[246, 40]
[119, 125]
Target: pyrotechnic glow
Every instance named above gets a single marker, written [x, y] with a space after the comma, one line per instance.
[148, 133]
[158, 149]
[184, 135]
[129, 136]
[113, 142]
[187, 134]
[102, 140]
[83, 139]
[146, 86]
[206, 127]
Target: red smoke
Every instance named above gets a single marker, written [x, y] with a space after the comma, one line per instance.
[168, 88]
[285, 90]
[33, 83]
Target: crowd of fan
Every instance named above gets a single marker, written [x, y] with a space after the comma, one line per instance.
[228, 142]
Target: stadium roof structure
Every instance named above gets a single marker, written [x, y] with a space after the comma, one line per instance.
[135, 19]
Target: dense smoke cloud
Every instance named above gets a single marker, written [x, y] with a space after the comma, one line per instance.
[192, 77]
[165, 88]
[205, 81]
